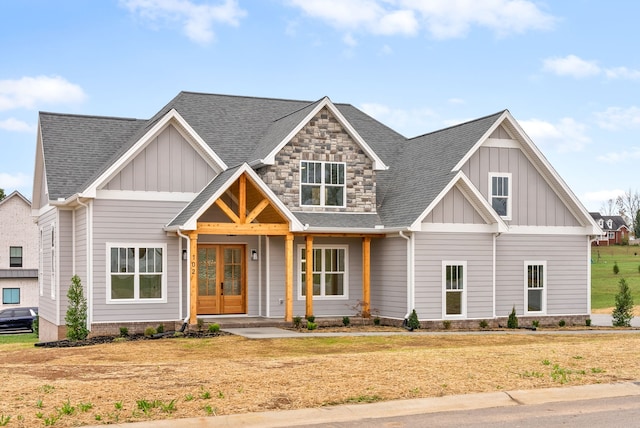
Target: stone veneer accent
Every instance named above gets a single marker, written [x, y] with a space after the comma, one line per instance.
[323, 139]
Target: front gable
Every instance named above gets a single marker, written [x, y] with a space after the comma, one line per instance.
[323, 139]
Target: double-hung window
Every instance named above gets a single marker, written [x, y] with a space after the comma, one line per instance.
[330, 273]
[500, 194]
[535, 286]
[137, 273]
[15, 256]
[454, 285]
[322, 184]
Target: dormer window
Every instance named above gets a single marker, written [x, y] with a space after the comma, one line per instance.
[500, 194]
[610, 223]
[322, 184]
[600, 222]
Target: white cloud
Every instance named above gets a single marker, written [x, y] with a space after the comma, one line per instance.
[30, 92]
[13, 181]
[15, 125]
[617, 118]
[617, 157]
[457, 101]
[601, 196]
[571, 65]
[409, 122]
[567, 135]
[386, 50]
[622, 73]
[196, 19]
[349, 40]
[441, 18]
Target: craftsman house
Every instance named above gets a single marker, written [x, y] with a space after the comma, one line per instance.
[239, 206]
[18, 253]
[614, 229]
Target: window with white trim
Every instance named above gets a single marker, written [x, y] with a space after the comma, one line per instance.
[500, 194]
[455, 289]
[137, 273]
[600, 222]
[330, 273]
[15, 256]
[53, 261]
[535, 286]
[609, 223]
[322, 184]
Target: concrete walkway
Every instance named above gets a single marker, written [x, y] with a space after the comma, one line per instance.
[605, 320]
[355, 412]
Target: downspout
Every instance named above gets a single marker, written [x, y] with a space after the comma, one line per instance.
[410, 278]
[493, 273]
[89, 261]
[185, 322]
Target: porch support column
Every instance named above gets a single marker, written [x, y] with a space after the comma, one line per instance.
[366, 277]
[288, 286]
[193, 271]
[309, 276]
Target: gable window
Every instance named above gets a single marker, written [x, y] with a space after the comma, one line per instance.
[535, 285]
[322, 184]
[137, 273]
[15, 256]
[454, 285]
[10, 296]
[330, 276]
[500, 194]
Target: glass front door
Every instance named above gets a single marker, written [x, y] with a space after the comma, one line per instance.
[221, 279]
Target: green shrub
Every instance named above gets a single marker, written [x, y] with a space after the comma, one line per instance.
[535, 323]
[484, 324]
[346, 321]
[376, 321]
[311, 325]
[297, 321]
[160, 328]
[214, 328]
[35, 325]
[588, 322]
[124, 332]
[311, 318]
[150, 331]
[76, 317]
[512, 322]
[616, 269]
[446, 324]
[562, 323]
[623, 311]
[413, 322]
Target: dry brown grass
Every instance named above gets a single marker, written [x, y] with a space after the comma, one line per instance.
[231, 374]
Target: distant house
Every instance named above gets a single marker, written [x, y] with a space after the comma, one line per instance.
[256, 207]
[614, 228]
[18, 253]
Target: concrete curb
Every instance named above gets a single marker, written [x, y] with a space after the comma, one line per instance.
[353, 412]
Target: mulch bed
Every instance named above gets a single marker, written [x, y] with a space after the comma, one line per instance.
[97, 340]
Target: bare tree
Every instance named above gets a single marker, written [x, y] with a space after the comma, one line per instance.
[609, 207]
[629, 205]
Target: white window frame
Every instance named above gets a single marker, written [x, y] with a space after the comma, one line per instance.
[302, 284]
[463, 297]
[323, 185]
[54, 281]
[600, 222]
[610, 223]
[509, 195]
[544, 287]
[136, 273]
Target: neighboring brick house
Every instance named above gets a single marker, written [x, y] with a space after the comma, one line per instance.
[256, 207]
[18, 253]
[614, 228]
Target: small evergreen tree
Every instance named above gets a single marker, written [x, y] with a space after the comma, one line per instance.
[512, 322]
[413, 323]
[616, 269]
[636, 225]
[623, 311]
[76, 317]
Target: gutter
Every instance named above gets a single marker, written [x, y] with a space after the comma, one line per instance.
[185, 322]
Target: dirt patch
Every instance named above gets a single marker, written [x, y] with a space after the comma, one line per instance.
[176, 378]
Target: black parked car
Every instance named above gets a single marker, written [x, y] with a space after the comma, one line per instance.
[18, 318]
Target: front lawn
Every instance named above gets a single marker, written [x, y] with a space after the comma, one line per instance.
[604, 283]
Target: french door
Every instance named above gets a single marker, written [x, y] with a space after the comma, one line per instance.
[221, 279]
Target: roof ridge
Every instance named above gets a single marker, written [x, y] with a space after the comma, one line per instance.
[457, 125]
[90, 116]
[298, 110]
[246, 96]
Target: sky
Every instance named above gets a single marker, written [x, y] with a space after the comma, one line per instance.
[568, 71]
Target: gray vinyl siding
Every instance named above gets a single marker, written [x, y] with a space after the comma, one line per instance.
[337, 307]
[47, 306]
[80, 244]
[134, 222]
[567, 262]
[168, 164]
[431, 249]
[534, 202]
[454, 208]
[65, 258]
[389, 276]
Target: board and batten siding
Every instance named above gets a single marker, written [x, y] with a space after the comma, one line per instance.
[167, 164]
[567, 261]
[534, 202]
[454, 208]
[431, 249]
[134, 222]
[389, 277]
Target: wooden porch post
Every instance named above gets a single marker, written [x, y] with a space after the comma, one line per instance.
[309, 276]
[193, 271]
[366, 277]
[288, 262]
